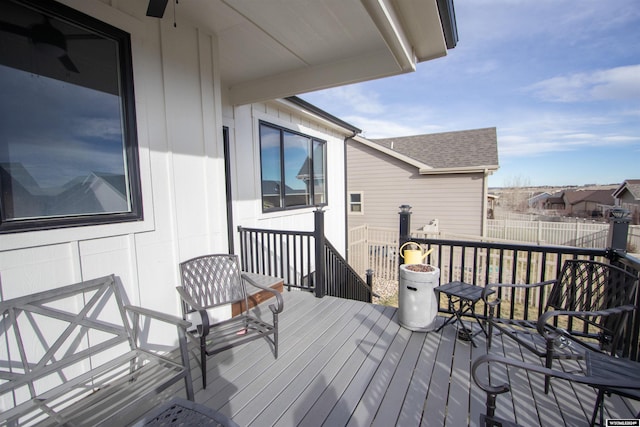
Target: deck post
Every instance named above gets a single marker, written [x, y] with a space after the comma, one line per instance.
[369, 277]
[619, 220]
[405, 228]
[319, 239]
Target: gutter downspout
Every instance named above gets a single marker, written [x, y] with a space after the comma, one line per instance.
[346, 193]
[485, 197]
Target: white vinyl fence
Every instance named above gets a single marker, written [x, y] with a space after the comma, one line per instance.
[374, 248]
[579, 234]
[583, 235]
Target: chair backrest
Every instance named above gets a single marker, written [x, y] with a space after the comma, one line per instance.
[213, 280]
[586, 285]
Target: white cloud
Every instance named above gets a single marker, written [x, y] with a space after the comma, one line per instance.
[527, 139]
[615, 83]
[380, 127]
[349, 98]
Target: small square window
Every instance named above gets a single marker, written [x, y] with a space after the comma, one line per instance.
[355, 203]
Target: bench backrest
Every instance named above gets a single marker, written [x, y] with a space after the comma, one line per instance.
[586, 285]
[50, 338]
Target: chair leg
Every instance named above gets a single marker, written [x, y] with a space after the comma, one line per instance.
[275, 334]
[599, 406]
[489, 328]
[548, 363]
[203, 360]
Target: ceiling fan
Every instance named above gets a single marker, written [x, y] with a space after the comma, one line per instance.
[48, 39]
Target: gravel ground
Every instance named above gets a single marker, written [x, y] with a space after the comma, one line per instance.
[388, 291]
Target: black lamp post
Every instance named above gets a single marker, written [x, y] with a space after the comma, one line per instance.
[619, 220]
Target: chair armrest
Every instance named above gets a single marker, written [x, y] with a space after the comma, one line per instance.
[279, 302]
[164, 317]
[552, 334]
[487, 290]
[600, 381]
[203, 328]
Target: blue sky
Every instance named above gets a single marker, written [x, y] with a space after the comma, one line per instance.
[559, 79]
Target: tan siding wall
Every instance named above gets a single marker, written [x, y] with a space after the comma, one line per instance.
[386, 183]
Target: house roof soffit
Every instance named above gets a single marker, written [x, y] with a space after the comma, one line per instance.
[276, 48]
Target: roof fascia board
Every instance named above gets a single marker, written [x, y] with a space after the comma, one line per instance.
[449, 24]
[315, 115]
[618, 192]
[468, 169]
[389, 152]
[312, 109]
[306, 79]
[392, 31]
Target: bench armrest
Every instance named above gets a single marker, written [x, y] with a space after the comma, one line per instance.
[279, 306]
[164, 317]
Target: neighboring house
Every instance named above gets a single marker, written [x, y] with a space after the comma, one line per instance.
[627, 196]
[555, 202]
[538, 200]
[193, 116]
[586, 203]
[442, 176]
[492, 201]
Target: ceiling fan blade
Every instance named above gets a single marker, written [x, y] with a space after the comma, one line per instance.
[83, 37]
[156, 8]
[11, 28]
[68, 64]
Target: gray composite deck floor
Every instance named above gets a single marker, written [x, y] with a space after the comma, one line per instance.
[344, 362]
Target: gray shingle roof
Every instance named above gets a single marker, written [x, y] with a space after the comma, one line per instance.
[467, 148]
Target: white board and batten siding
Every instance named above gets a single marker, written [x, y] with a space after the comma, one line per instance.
[245, 162]
[181, 109]
[455, 200]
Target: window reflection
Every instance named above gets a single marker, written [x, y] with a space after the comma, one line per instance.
[296, 160]
[67, 139]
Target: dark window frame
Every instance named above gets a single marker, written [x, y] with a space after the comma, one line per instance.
[129, 127]
[313, 140]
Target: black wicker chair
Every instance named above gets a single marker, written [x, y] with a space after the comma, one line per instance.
[214, 280]
[590, 299]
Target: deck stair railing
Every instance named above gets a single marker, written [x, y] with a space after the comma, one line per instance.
[293, 257]
[342, 280]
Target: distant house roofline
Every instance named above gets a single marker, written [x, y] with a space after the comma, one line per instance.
[630, 185]
[389, 152]
[410, 150]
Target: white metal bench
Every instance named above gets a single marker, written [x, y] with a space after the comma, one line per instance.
[80, 355]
